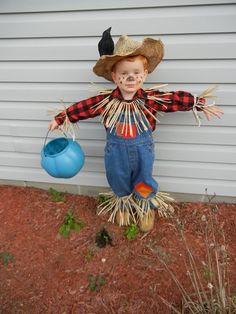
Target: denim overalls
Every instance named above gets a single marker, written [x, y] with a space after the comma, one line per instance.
[129, 163]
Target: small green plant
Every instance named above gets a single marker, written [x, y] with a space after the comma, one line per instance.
[96, 282]
[70, 223]
[56, 196]
[102, 198]
[131, 231]
[89, 255]
[6, 258]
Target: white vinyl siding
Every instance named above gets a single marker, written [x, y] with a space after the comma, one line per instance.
[48, 49]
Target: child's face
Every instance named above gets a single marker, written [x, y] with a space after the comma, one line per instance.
[129, 76]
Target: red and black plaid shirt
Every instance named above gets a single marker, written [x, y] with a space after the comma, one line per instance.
[177, 101]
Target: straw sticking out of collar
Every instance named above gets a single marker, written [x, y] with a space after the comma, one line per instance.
[115, 109]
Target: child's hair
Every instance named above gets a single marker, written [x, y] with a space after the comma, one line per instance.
[132, 59]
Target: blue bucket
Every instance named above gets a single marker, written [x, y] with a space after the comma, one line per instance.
[62, 157]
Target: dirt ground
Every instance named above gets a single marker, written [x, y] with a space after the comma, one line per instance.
[42, 271]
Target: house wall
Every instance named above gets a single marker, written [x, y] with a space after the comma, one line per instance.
[47, 51]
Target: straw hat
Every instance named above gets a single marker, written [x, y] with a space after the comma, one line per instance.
[152, 49]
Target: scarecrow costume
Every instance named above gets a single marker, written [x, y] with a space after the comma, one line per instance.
[129, 151]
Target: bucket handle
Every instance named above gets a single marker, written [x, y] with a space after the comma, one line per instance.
[46, 137]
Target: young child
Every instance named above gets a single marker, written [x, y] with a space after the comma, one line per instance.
[129, 116]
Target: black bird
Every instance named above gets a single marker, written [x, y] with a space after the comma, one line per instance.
[106, 44]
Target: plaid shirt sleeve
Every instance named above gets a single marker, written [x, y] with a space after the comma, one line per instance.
[81, 110]
[173, 101]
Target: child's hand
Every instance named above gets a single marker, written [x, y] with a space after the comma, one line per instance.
[53, 125]
[210, 111]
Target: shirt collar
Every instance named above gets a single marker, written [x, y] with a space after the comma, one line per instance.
[116, 93]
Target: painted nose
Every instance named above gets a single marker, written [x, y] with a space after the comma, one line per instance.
[130, 78]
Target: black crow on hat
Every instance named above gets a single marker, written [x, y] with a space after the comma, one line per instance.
[106, 44]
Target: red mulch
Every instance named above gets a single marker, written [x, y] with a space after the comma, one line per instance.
[53, 274]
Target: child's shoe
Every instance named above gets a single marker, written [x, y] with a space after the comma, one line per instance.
[146, 224]
[122, 218]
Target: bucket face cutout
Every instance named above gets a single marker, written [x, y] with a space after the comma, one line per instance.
[56, 146]
[62, 158]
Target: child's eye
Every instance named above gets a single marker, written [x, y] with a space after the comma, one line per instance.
[124, 73]
[136, 72]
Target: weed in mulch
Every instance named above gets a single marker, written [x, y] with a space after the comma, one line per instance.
[89, 256]
[209, 277]
[6, 257]
[131, 232]
[103, 238]
[56, 196]
[102, 198]
[96, 282]
[71, 223]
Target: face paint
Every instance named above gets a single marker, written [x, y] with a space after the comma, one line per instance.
[129, 77]
[139, 78]
[120, 79]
